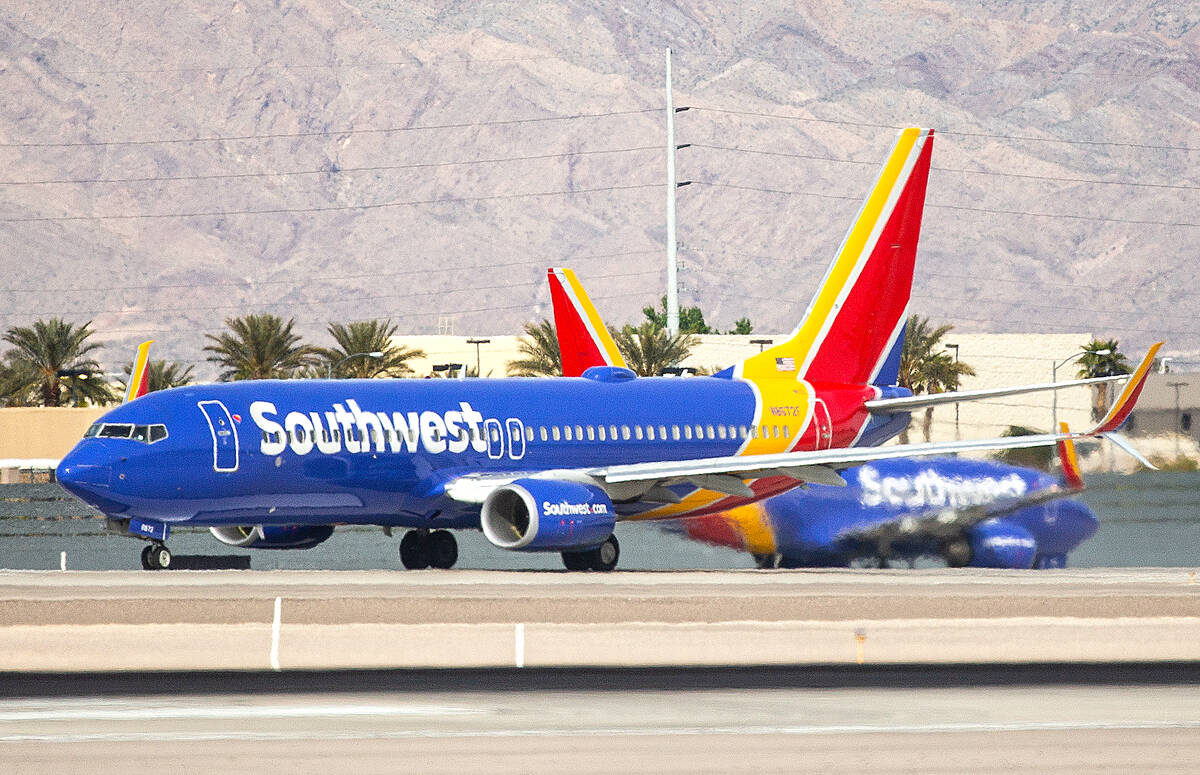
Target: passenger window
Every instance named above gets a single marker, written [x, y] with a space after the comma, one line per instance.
[786, 432]
[710, 432]
[687, 432]
[699, 432]
[637, 432]
[650, 432]
[603, 434]
[591, 431]
[567, 432]
[662, 433]
[542, 432]
[721, 431]
[529, 433]
[612, 432]
[675, 432]
[578, 433]
[625, 434]
[554, 431]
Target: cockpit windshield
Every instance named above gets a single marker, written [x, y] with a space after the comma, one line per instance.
[146, 434]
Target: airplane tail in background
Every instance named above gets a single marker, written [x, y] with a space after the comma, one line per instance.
[853, 329]
[1068, 459]
[139, 382]
[583, 339]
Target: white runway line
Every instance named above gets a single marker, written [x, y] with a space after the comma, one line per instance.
[519, 637]
[275, 635]
[154, 712]
[408, 734]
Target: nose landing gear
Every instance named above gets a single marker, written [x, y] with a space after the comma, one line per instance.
[156, 556]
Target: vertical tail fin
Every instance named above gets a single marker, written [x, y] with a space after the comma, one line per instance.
[583, 339]
[139, 382]
[854, 326]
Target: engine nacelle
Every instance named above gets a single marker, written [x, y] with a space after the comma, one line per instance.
[272, 536]
[999, 544]
[544, 515]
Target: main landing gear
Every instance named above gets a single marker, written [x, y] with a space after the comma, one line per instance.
[603, 557]
[428, 549]
[156, 556]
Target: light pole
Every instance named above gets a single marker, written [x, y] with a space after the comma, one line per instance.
[761, 343]
[955, 348]
[450, 368]
[72, 376]
[1054, 379]
[332, 367]
[477, 342]
[1176, 385]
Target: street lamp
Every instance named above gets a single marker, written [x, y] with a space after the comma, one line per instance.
[1054, 379]
[72, 375]
[332, 367]
[477, 342]
[761, 343]
[449, 368]
[1176, 385]
[955, 348]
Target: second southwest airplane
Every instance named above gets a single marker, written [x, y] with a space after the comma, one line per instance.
[541, 464]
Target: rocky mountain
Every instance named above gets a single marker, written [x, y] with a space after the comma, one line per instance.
[166, 166]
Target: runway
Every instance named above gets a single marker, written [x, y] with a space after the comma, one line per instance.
[321, 620]
[941, 719]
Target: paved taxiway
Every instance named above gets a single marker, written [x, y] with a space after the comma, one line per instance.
[1114, 719]
[352, 620]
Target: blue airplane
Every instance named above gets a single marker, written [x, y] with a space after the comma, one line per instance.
[543, 464]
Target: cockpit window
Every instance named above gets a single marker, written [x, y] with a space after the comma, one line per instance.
[146, 434]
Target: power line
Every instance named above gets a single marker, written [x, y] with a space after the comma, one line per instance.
[356, 299]
[995, 173]
[328, 208]
[326, 132]
[323, 278]
[328, 170]
[986, 135]
[963, 208]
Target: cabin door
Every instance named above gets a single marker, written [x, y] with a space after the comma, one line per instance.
[224, 436]
[495, 438]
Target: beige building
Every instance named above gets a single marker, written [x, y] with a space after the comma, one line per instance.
[998, 359]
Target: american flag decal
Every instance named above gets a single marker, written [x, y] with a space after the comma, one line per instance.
[785, 364]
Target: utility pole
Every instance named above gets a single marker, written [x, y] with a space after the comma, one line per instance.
[672, 271]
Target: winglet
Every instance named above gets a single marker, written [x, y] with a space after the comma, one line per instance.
[1068, 459]
[139, 382]
[583, 339]
[1121, 408]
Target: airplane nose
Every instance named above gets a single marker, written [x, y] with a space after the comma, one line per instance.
[85, 469]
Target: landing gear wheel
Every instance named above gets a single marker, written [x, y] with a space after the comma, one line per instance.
[604, 557]
[576, 560]
[441, 549]
[156, 557]
[414, 550]
[957, 553]
[766, 561]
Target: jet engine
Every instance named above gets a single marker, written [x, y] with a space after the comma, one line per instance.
[272, 536]
[544, 515]
[996, 543]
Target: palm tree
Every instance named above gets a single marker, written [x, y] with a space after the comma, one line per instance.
[161, 375]
[1095, 363]
[47, 351]
[18, 381]
[648, 349]
[926, 367]
[260, 347]
[347, 360]
[539, 345]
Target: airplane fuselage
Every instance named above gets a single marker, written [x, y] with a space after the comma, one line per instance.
[383, 451]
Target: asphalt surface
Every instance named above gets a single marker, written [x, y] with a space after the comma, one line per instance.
[1046, 718]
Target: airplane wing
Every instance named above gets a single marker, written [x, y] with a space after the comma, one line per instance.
[727, 474]
[911, 403]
